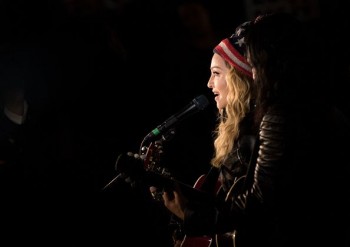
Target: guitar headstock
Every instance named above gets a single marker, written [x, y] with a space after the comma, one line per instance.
[152, 158]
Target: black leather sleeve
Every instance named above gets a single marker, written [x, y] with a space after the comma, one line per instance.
[271, 151]
[266, 167]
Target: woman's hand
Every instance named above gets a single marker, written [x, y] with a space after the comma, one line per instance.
[173, 200]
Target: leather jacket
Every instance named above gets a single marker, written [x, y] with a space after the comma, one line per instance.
[284, 182]
[217, 216]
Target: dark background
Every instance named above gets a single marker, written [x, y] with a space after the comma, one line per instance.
[100, 75]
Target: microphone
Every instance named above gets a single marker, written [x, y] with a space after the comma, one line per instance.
[197, 104]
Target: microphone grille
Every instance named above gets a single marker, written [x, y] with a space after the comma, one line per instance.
[201, 102]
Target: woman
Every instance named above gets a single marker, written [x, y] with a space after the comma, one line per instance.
[280, 188]
[230, 81]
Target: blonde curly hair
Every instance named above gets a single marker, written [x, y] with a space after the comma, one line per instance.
[239, 102]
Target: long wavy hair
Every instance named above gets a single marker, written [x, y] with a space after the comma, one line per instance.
[238, 105]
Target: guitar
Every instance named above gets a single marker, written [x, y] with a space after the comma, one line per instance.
[200, 241]
[227, 239]
[161, 178]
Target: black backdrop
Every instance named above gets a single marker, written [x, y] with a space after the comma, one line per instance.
[98, 76]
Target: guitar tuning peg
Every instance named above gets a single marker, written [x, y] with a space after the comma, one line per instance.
[130, 154]
[134, 155]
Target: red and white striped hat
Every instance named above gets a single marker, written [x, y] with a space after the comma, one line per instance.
[232, 49]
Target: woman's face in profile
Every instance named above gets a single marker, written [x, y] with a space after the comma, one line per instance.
[217, 81]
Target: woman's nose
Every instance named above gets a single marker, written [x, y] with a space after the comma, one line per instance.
[209, 84]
